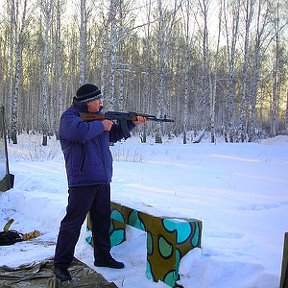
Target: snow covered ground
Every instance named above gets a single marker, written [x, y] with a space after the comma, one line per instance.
[239, 191]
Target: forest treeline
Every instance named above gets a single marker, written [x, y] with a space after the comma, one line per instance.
[213, 65]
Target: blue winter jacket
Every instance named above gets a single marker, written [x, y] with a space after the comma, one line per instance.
[85, 146]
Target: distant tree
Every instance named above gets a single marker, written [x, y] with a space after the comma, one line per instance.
[147, 65]
[206, 81]
[46, 9]
[166, 21]
[231, 42]
[276, 75]
[186, 11]
[4, 46]
[110, 93]
[244, 116]
[117, 53]
[57, 89]
[85, 14]
[18, 14]
[215, 77]
[71, 42]
[261, 35]
[126, 38]
[105, 54]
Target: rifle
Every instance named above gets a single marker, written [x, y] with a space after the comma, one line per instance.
[122, 118]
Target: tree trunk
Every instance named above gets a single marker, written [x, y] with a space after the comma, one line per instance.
[229, 124]
[165, 25]
[12, 39]
[47, 13]
[83, 42]
[276, 84]
[244, 116]
[213, 92]
[110, 93]
[19, 47]
[58, 70]
[186, 71]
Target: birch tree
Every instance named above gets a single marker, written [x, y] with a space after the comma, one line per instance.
[109, 42]
[125, 28]
[231, 42]
[46, 9]
[214, 88]
[278, 68]
[121, 66]
[261, 35]
[186, 10]
[206, 69]
[161, 50]
[118, 28]
[18, 14]
[4, 48]
[85, 12]
[105, 55]
[166, 22]
[3, 63]
[110, 92]
[58, 89]
[71, 40]
[147, 64]
[12, 27]
[243, 127]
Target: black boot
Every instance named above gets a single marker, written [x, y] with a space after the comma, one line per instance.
[62, 274]
[108, 261]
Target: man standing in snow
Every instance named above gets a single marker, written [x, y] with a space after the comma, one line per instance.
[88, 163]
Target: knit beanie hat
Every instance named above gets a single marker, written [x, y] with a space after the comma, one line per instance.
[87, 93]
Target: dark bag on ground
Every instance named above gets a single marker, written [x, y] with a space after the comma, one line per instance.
[10, 237]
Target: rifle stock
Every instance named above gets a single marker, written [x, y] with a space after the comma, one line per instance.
[92, 116]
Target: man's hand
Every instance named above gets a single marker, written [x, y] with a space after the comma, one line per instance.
[107, 124]
[140, 120]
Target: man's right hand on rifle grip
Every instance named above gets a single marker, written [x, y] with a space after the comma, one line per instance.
[107, 124]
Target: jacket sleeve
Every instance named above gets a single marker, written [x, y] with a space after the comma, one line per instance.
[74, 129]
[116, 132]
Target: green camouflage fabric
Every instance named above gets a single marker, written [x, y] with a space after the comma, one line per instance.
[41, 276]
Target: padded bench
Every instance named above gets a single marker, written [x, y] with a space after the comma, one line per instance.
[168, 239]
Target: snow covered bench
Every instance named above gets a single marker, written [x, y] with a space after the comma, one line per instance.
[168, 239]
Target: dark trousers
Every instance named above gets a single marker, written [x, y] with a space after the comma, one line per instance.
[95, 199]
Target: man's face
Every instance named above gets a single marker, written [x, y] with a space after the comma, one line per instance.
[94, 106]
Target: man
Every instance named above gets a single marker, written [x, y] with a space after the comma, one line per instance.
[88, 163]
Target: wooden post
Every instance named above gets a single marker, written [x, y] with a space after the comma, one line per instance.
[284, 271]
[7, 181]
